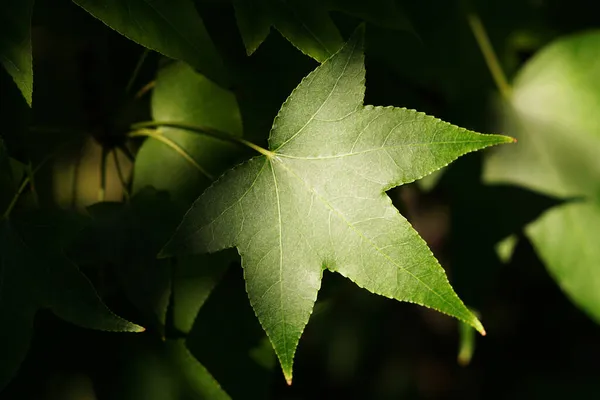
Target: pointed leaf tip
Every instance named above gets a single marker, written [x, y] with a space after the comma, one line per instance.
[165, 252]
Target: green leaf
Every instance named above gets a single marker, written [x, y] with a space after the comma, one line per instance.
[566, 239]
[127, 237]
[317, 201]
[554, 115]
[15, 43]
[194, 278]
[170, 27]
[34, 278]
[184, 96]
[307, 24]
[8, 183]
[164, 371]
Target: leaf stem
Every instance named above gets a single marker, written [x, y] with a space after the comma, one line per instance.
[205, 131]
[145, 89]
[120, 173]
[161, 138]
[489, 54]
[21, 189]
[136, 70]
[102, 189]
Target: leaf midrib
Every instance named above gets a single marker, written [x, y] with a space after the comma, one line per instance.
[382, 148]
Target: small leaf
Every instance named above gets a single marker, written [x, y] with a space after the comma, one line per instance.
[34, 278]
[171, 27]
[15, 43]
[554, 115]
[317, 201]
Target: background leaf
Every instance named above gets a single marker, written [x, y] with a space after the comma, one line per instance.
[15, 43]
[33, 278]
[184, 96]
[171, 27]
[307, 24]
[164, 370]
[554, 115]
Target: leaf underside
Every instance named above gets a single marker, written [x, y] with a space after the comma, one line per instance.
[318, 201]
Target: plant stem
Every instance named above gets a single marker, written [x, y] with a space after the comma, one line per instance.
[21, 189]
[205, 131]
[156, 135]
[120, 173]
[102, 189]
[127, 152]
[136, 70]
[489, 55]
[145, 89]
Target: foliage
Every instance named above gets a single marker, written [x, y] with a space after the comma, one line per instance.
[134, 152]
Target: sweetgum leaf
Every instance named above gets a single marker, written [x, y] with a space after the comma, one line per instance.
[317, 201]
[33, 277]
[307, 24]
[170, 27]
[15, 43]
[554, 114]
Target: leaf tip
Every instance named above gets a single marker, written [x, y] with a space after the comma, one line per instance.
[287, 374]
[463, 360]
[165, 252]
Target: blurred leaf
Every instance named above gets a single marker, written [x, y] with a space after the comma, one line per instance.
[8, 183]
[127, 237]
[194, 279]
[313, 203]
[554, 115]
[34, 277]
[307, 24]
[156, 370]
[466, 347]
[184, 96]
[15, 43]
[171, 27]
[506, 247]
[566, 239]
[226, 337]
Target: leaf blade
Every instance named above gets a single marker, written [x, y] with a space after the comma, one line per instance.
[15, 44]
[172, 28]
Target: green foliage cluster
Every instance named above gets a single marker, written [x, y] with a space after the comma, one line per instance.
[144, 142]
